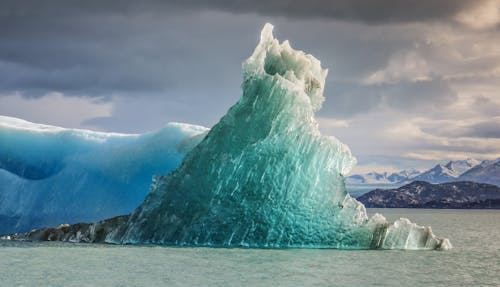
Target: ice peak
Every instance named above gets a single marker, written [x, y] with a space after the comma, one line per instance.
[290, 67]
[266, 34]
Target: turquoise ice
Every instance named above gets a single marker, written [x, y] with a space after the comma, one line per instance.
[264, 176]
[51, 175]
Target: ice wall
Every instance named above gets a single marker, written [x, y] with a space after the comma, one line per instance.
[51, 175]
[265, 177]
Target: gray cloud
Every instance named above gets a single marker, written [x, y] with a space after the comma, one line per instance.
[141, 57]
[379, 11]
[186, 56]
[422, 97]
[96, 48]
[483, 129]
[141, 64]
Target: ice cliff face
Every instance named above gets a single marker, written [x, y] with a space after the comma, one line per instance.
[51, 175]
[265, 177]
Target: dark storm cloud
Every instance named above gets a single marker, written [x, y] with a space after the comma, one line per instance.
[78, 54]
[130, 58]
[379, 11]
[105, 54]
[141, 64]
[375, 11]
[97, 48]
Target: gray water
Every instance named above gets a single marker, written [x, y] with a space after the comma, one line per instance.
[474, 261]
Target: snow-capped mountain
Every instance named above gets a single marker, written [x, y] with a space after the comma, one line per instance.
[450, 171]
[404, 175]
[368, 178]
[383, 178]
[472, 170]
[437, 174]
[486, 172]
[461, 166]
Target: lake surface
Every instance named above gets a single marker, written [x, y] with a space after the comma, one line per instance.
[474, 261]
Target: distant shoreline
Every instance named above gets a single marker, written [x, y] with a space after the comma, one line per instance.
[424, 195]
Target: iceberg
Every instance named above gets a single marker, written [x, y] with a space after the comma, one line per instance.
[265, 177]
[262, 177]
[51, 175]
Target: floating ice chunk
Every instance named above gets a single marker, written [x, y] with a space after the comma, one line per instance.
[265, 177]
[403, 234]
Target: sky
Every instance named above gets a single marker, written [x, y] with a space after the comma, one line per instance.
[411, 83]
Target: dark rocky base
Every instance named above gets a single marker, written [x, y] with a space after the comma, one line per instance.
[79, 232]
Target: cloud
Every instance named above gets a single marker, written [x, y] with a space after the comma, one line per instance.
[483, 16]
[134, 65]
[407, 66]
[419, 96]
[414, 98]
[54, 109]
[105, 53]
[333, 123]
[483, 128]
[427, 136]
[138, 114]
[377, 11]
[434, 156]
[345, 100]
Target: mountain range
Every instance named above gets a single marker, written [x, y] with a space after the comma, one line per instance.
[487, 171]
[383, 177]
[421, 194]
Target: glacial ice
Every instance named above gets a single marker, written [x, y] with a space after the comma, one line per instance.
[51, 175]
[265, 177]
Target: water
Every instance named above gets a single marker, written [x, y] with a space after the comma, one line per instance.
[474, 261]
